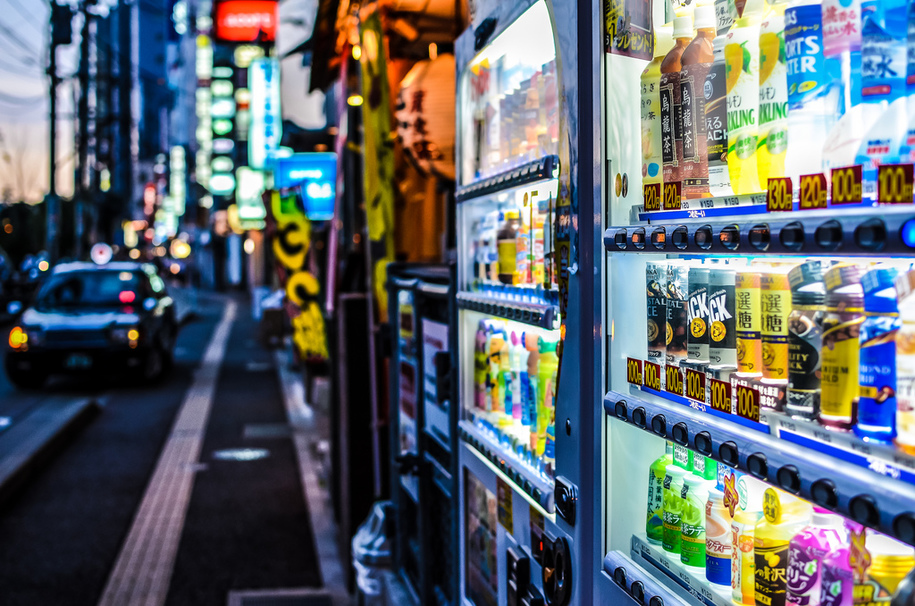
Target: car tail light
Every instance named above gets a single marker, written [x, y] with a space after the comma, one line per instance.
[18, 339]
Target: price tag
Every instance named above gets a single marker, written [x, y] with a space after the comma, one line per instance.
[672, 196]
[674, 382]
[846, 185]
[747, 400]
[779, 195]
[812, 191]
[695, 385]
[651, 196]
[895, 183]
[720, 395]
[652, 376]
[634, 371]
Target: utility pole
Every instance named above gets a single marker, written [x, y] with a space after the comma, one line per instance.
[124, 153]
[61, 34]
[82, 190]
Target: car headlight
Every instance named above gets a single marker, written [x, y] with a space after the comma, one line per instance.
[21, 338]
[125, 334]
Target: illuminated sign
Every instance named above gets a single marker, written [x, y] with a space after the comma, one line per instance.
[266, 123]
[246, 20]
[316, 174]
[248, 196]
[177, 176]
[222, 184]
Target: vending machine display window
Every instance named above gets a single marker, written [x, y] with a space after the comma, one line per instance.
[509, 102]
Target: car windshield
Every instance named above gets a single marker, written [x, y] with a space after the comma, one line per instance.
[82, 289]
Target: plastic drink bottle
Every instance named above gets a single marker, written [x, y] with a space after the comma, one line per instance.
[905, 363]
[907, 149]
[651, 107]
[671, 118]
[841, 346]
[697, 338]
[884, 30]
[515, 353]
[877, 358]
[677, 320]
[656, 284]
[696, 61]
[507, 246]
[692, 521]
[741, 56]
[546, 379]
[805, 339]
[496, 378]
[480, 366]
[717, 539]
[811, 112]
[508, 396]
[749, 334]
[716, 120]
[773, 94]
[673, 508]
[654, 525]
[743, 563]
[524, 387]
[891, 561]
[532, 344]
[806, 553]
[783, 517]
[837, 586]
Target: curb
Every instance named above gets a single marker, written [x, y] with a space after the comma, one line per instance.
[34, 441]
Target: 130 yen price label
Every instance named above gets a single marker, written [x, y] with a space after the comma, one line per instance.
[779, 195]
[846, 185]
[747, 400]
[895, 183]
[634, 371]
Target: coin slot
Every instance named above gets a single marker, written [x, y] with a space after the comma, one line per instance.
[824, 493]
[680, 434]
[789, 478]
[730, 237]
[904, 527]
[863, 509]
[792, 236]
[729, 454]
[758, 466]
[828, 236]
[621, 410]
[703, 442]
[639, 417]
[659, 425]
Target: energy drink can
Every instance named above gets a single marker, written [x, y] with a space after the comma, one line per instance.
[697, 341]
[749, 335]
[677, 322]
[656, 282]
[721, 319]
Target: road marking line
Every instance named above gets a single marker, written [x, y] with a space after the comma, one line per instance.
[143, 570]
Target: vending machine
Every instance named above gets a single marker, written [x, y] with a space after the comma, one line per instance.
[524, 330]
[423, 430]
[757, 276]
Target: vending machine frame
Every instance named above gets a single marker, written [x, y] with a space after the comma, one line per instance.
[424, 476]
[828, 469]
[570, 531]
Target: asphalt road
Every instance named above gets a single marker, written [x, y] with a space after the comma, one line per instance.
[247, 525]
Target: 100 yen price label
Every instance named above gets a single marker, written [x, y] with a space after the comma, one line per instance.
[695, 385]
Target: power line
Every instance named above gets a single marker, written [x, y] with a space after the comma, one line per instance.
[23, 100]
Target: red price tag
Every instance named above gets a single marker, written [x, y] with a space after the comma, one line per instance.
[634, 371]
[747, 402]
[672, 196]
[695, 385]
[812, 191]
[847, 185]
[651, 196]
[895, 183]
[720, 395]
[674, 383]
[652, 376]
[779, 195]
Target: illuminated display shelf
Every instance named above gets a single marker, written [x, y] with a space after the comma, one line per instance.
[539, 170]
[668, 569]
[853, 231]
[831, 478]
[518, 471]
[536, 314]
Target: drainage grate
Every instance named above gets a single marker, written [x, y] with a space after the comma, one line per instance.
[260, 431]
[280, 597]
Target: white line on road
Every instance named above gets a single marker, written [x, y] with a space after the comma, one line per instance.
[143, 570]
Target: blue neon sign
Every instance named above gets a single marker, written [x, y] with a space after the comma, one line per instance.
[316, 173]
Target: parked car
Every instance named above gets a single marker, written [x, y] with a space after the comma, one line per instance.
[103, 319]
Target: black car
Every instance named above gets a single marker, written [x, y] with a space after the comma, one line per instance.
[94, 318]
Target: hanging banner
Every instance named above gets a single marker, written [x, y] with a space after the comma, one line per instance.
[378, 157]
[266, 126]
[291, 243]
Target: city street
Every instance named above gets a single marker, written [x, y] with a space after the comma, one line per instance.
[181, 492]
